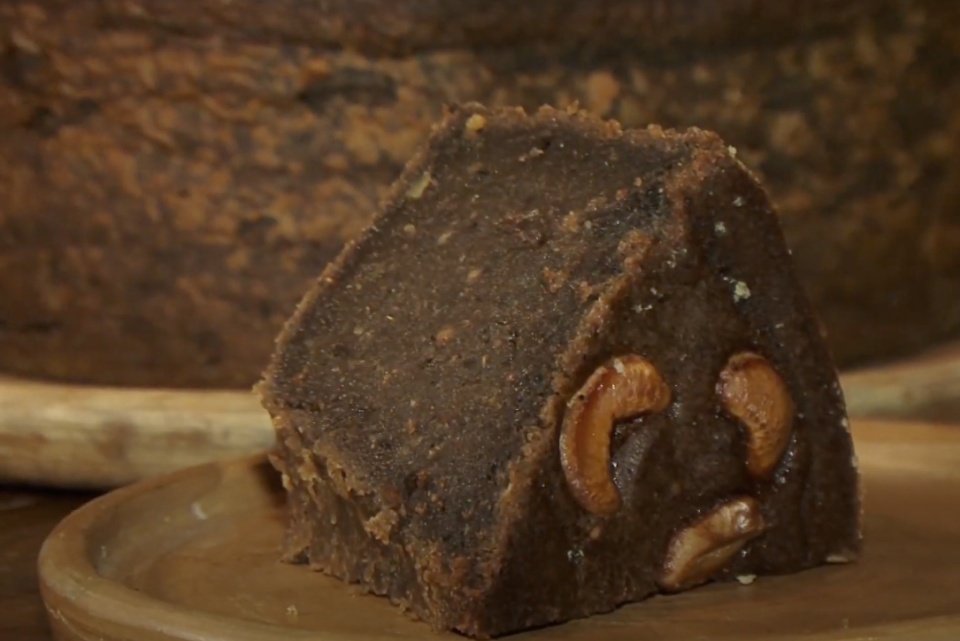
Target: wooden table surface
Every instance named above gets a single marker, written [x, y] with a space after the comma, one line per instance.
[26, 517]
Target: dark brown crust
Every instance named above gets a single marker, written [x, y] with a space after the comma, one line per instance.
[172, 176]
[525, 553]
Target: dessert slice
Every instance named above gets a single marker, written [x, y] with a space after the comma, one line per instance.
[568, 367]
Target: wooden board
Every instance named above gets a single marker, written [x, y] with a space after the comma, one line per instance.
[101, 437]
[194, 556]
[925, 387]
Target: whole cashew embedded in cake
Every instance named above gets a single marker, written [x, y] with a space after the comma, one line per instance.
[752, 391]
[622, 388]
[698, 551]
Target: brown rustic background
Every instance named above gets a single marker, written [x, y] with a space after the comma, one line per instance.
[172, 175]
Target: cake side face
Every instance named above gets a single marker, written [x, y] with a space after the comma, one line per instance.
[716, 310]
[422, 390]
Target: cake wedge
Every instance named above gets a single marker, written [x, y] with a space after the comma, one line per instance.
[566, 368]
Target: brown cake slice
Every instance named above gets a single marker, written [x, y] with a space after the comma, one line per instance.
[568, 367]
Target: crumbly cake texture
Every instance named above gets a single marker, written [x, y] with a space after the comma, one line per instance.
[567, 367]
[173, 175]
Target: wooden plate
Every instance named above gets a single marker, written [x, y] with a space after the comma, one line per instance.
[193, 556]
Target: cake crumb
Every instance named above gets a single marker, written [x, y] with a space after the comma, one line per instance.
[409, 230]
[416, 189]
[475, 124]
[738, 201]
[720, 227]
[306, 469]
[732, 151]
[570, 223]
[534, 152]
[292, 612]
[618, 366]
[741, 291]
[381, 524]
[837, 557]
[444, 336]
[746, 579]
[575, 555]
[634, 248]
[473, 275]
[198, 512]
[585, 291]
[444, 237]
[554, 279]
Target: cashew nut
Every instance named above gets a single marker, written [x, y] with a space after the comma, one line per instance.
[622, 388]
[754, 393]
[698, 551]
